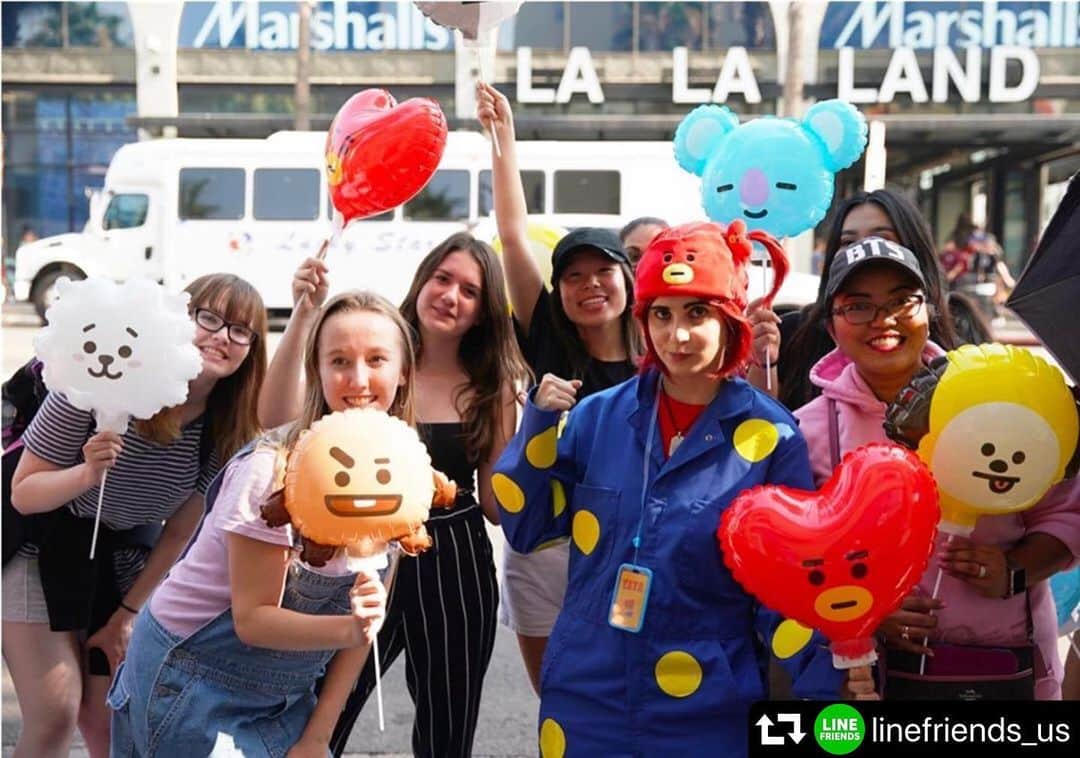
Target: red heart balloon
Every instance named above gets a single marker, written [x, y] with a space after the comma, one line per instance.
[381, 153]
[843, 558]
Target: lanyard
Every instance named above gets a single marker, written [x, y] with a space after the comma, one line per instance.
[636, 541]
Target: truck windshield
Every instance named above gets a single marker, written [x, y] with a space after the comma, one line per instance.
[126, 211]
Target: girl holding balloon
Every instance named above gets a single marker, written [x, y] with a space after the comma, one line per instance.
[442, 607]
[581, 332]
[657, 647]
[879, 309]
[66, 619]
[228, 652]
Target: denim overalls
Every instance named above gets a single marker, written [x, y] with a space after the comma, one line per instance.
[210, 693]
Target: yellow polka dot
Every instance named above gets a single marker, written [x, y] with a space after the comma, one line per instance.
[552, 739]
[508, 493]
[678, 673]
[558, 497]
[755, 439]
[586, 530]
[541, 450]
[789, 638]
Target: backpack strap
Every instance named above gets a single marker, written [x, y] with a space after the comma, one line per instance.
[834, 432]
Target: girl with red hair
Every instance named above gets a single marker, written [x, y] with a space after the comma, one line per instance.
[657, 649]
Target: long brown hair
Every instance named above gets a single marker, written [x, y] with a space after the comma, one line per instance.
[231, 416]
[315, 406]
[488, 351]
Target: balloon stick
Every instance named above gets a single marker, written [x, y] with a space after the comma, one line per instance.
[937, 586]
[97, 516]
[491, 124]
[768, 359]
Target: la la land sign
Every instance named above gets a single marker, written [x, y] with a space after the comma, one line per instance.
[736, 77]
[960, 37]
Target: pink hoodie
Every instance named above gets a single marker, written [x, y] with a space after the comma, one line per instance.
[968, 617]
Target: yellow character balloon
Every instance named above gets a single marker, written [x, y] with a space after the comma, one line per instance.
[1002, 427]
[359, 478]
[542, 241]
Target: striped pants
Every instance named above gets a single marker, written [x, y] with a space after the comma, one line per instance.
[442, 613]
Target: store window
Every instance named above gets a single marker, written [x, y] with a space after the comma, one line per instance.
[445, 198]
[286, 194]
[663, 26]
[587, 192]
[126, 211]
[537, 24]
[68, 24]
[58, 144]
[747, 24]
[533, 183]
[602, 26]
[31, 24]
[100, 25]
[211, 193]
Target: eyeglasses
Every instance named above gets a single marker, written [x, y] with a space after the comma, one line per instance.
[211, 322]
[864, 312]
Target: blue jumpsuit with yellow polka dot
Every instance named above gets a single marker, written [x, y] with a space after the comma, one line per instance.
[683, 684]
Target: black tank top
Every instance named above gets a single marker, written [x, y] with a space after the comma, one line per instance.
[445, 442]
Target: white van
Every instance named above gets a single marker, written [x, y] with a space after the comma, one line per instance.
[175, 209]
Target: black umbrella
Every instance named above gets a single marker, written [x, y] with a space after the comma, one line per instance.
[1047, 297]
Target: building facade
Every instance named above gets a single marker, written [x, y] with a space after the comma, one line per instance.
[980, 99]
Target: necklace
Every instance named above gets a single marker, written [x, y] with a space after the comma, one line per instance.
[677, 438]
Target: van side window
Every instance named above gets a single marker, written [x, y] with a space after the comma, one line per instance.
[388, 216]
[445, 198]
[532, 181]
[286, 194]
[212, 193]
[126, 211]
[587, 192]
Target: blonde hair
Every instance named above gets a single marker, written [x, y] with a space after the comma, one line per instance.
[231, 417]
[314, 406]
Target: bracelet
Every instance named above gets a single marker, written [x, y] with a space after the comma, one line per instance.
[128, 608]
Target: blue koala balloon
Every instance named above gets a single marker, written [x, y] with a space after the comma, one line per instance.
[776, 174]
[1065, 586]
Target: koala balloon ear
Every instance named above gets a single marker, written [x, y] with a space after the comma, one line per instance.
[700, 133]
[842, 131]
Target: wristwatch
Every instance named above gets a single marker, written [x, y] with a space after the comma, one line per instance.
[1017, 578]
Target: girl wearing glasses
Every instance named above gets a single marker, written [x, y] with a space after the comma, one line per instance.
[878, 315]
[66, 619]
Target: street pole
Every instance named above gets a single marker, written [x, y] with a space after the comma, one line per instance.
[302, 92]
[793, 66]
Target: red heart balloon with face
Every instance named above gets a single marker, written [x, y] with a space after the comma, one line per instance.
[381, 153]
[843, 558]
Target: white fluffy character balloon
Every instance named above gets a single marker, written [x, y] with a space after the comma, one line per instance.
[118, 350]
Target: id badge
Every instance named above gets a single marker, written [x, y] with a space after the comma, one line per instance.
[630, 598]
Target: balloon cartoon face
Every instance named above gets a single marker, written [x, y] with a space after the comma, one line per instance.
[843, 558]
[380, 153]
[358, 477]
[118, 350]
[1002, 428]
[775, 174]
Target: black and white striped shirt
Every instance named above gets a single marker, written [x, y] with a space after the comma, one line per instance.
[148, 484]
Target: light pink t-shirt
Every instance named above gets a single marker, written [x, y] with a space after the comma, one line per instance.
[196, 591]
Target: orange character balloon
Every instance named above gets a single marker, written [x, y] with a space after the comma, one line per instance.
[358, 479]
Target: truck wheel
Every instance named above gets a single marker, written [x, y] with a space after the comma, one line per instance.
[43, 293]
